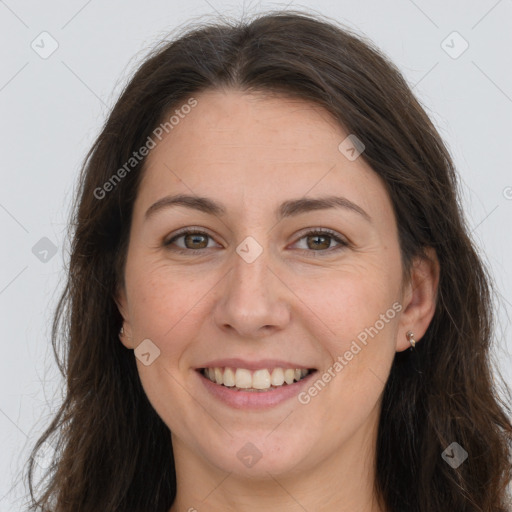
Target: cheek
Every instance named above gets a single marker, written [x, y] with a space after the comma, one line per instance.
[169, 305]
[351, 299]
[356, 311]
[164, 303]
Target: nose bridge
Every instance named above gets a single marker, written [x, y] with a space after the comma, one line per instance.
[251, 265]
[249, 285]
[252, 296]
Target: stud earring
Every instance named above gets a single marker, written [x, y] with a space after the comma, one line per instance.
[410, 337]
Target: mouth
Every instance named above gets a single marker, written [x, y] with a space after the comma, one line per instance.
[258, 381]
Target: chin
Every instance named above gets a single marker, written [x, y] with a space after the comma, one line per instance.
[260, 455]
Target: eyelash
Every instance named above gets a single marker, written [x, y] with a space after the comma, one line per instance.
[332, 234]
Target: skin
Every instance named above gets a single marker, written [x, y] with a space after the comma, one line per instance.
[294, 302]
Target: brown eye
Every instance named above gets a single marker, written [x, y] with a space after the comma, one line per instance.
[190, 241]
[195, 241]
[320, 242]
[317, 242]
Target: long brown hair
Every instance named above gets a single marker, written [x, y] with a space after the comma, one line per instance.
[112, 451]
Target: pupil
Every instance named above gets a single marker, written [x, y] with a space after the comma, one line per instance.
[195, 239]
[324, 237]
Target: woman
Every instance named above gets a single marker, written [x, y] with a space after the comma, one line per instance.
[273, 300]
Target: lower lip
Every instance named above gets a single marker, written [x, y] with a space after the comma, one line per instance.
[254, 399]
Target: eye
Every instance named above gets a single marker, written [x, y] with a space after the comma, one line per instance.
[194, 241]
[317, 241]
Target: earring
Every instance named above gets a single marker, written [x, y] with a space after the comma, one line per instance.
[410, 337]
[121, 331]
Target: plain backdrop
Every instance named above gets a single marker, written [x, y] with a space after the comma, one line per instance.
[454, 54]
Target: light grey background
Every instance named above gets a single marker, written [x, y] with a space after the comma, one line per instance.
[52, 108]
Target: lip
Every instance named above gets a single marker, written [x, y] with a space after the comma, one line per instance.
[261, 364]
[253, 399]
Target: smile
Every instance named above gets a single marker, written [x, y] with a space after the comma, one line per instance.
[261, 380]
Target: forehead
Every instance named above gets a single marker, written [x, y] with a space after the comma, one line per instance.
[234, 144]
[235, 122]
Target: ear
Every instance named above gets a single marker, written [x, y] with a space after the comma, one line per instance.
[419, 298]
[122, 304]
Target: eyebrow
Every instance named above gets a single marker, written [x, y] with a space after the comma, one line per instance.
[288, 208]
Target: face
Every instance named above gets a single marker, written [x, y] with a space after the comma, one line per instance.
[271, 286]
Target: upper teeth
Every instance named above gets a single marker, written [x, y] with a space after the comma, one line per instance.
[259, 379]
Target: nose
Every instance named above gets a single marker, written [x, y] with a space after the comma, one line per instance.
[254, 299]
